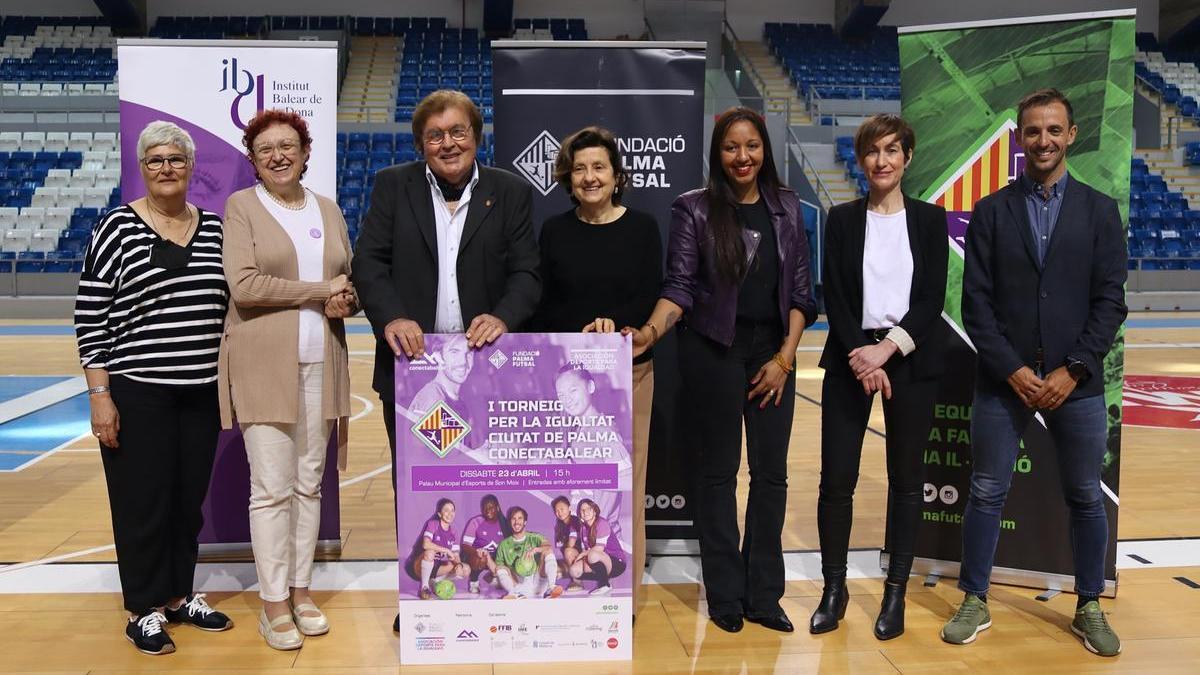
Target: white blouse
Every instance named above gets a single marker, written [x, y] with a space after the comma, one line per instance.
[307, 232]
[887, 270]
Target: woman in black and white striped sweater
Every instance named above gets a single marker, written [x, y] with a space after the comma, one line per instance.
[148, 319]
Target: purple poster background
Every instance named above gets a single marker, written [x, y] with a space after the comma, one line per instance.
[221, 169]
[527, 419]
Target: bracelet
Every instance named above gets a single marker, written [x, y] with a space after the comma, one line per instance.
[653, 329]
[97, 390]
[778, 358]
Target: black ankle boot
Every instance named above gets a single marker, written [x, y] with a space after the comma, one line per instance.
[890, 623]
[831, 609]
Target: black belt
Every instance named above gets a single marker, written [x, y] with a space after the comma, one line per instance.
[876, 334]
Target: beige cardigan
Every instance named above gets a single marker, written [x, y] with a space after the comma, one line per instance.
[257, 371]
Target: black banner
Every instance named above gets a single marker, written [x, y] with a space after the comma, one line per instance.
[651, 96]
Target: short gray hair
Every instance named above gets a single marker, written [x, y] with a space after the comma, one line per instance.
[165, 133]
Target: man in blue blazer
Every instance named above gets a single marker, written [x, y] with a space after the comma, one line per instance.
[1043, 297]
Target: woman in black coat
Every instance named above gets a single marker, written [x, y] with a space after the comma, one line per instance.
[885, 284]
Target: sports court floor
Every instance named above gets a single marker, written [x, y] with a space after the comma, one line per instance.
[60, 608]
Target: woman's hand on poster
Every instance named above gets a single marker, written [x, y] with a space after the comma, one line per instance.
[768, 383]
[529, 554]
[871, 357]
[106, 421]
[877, 380]
[601, 325]
[643, 339]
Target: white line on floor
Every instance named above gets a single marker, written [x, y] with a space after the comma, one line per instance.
[46, 396]
[370, 474]
[381, 575]
[368, 406]
[53, 559]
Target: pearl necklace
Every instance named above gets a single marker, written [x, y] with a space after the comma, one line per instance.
[286, 205]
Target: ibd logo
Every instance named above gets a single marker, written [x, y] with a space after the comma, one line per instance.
[244, 83]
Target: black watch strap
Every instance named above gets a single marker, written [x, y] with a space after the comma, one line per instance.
[1077, 369]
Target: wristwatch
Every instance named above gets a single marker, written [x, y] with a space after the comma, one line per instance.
[1077, 369]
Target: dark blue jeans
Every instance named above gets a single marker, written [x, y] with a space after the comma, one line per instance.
[1080, 433]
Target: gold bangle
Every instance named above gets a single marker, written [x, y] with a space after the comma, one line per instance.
[782, 362]
[653, 329]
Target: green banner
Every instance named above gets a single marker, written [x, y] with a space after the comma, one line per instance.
[959, 88]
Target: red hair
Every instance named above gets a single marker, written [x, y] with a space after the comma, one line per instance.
[266, 118]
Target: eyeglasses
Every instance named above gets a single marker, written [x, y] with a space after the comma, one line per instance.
[437, 136]
[287, 147]
[156, 162]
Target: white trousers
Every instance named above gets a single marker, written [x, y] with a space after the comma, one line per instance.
[287, 462]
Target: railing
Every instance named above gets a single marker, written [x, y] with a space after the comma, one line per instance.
[815, 101]
[805, 162]
[797, 151]
[736, 64]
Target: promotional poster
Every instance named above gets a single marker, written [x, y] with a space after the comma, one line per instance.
[513, 513]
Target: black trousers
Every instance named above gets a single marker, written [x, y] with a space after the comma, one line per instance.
[389, 423]
[716, 380]
[157, 479]
[845, 410]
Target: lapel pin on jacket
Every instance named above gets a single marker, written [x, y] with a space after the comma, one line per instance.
[487, 203]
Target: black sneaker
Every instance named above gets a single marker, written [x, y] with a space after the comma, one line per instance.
[195, 611]
[148, 633]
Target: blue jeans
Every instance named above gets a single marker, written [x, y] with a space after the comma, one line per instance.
[1079, 430]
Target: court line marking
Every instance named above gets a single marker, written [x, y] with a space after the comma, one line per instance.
[380, 574]
[42, 398]
[57, 558]
[62, 447]
[360, 478]
[368, 408]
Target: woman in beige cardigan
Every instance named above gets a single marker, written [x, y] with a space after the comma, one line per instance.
[283, 370]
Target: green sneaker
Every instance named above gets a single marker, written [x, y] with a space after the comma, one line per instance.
[972, 616]
[1091, 625]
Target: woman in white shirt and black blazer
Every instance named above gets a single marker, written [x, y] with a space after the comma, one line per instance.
[884, 284]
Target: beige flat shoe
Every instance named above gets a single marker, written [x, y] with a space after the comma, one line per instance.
[310, 625]
[283, 641]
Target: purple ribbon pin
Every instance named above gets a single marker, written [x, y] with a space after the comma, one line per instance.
[314, 233]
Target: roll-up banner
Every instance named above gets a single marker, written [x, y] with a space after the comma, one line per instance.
[651, 96]
[211, 89]
[960, 84]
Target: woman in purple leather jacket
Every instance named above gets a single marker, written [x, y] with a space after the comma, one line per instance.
[738, 283]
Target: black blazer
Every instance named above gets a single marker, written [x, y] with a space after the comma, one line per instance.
[845, 238]
[1070, 306]
[396, 262]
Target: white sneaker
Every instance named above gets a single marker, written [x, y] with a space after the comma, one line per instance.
[601, 590]
[473, 587]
